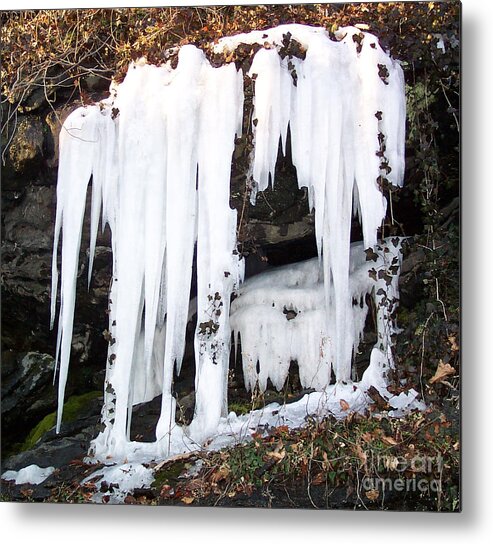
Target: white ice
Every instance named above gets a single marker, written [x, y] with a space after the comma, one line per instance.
[32, 474]
[279, 316]
[121, 480]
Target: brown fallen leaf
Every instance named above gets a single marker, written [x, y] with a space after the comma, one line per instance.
[77, 462]
[361, 455]
[166, 491]
[276, 455]
[372, 494]
[174, 459]
[130, 499]
[319, 479]
[221, 474]
[443, 371]
[344, 405]
[453, 343]
[389, 441]
[187, 500]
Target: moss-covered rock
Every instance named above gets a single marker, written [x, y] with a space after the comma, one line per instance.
[25, 152]
[72, 409]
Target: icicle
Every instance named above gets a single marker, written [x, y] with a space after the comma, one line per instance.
[78, 142]
[339, 99]
[218, 267]
[96, 196]
[182, 107]
[266, 71]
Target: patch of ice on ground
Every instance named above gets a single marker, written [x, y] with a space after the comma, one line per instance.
[32, 474]
[119, 480]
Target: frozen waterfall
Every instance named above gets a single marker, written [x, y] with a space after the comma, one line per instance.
[159, 152]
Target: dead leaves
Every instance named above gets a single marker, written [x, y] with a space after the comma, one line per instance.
[346, 455]
[454, 346]
[27, 493]
[344, 405]
[362, 456]
[276, 455]
[444, 370]
[379, 403]
[389, 441]
[221, 474]
[372, 494]
[319, 479]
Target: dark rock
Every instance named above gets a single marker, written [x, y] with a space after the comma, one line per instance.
[411, 278]
[28, 217]
[96, 83]
[185, 407]
[38, 94]
[27, 390]
[64, 451]
[35, 97]
[270, 234]
[281, 211]
[25, 152]
[27, 214]
[55, 453]
[144, 419]
[28, 222]
[412, 260]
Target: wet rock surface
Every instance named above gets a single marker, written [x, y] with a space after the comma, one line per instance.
[24, 380]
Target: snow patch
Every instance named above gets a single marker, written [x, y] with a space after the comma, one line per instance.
[114, 483]
[33, 474]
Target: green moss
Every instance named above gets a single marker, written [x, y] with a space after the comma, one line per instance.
[71, 410]
[168, 475]
[239, 408]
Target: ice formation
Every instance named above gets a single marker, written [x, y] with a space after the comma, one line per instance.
[159, 154]
[281, 316]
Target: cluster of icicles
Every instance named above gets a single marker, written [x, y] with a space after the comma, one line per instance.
[159, 154]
